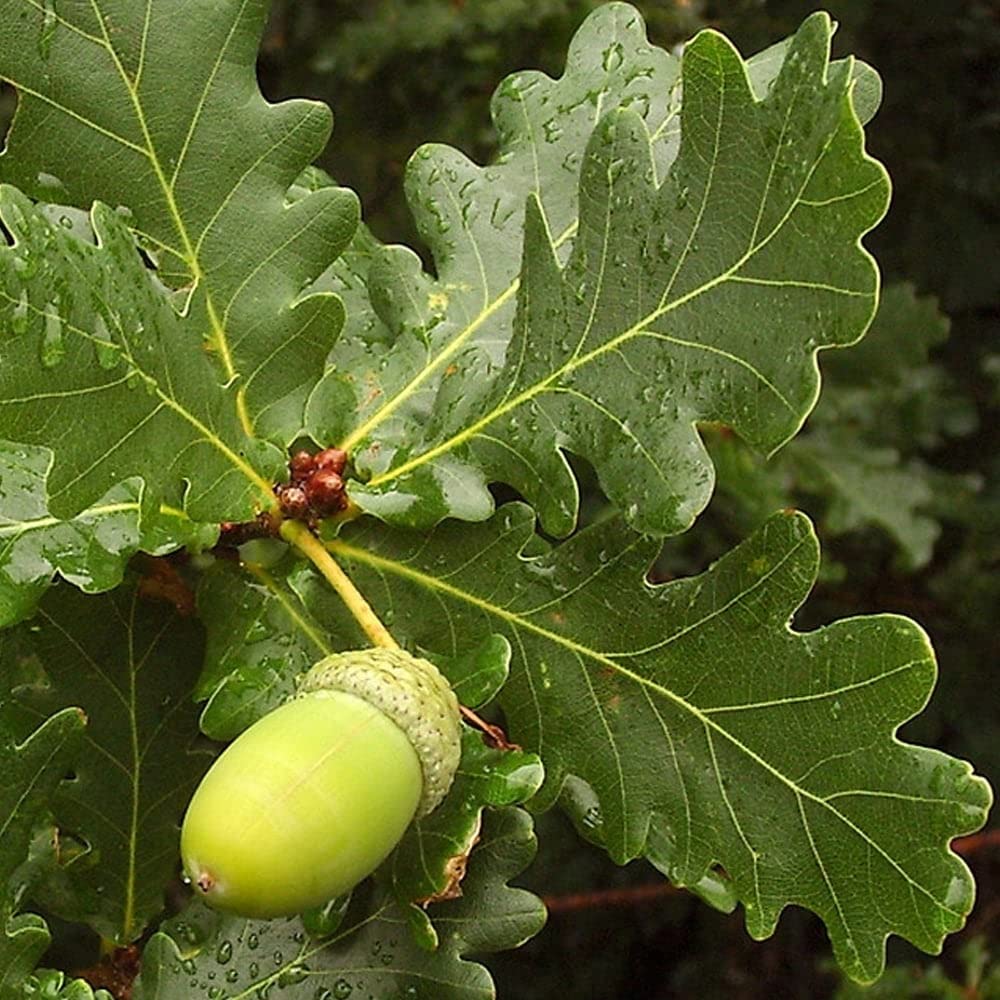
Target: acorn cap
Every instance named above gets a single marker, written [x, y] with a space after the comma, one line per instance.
[414, 694]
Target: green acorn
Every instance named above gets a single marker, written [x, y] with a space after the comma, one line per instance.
[312, 798]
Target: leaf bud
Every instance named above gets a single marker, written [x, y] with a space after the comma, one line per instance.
[301, 465]
[333, 459]
[325, 492]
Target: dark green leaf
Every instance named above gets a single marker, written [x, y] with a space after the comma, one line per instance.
[164, 97]
[261, 636]
[693, 711]
[23, 939]
[129, 664]
[32, 770]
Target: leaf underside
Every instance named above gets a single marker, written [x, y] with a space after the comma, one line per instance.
[129, 664]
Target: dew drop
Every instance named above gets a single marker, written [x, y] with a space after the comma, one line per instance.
[292, 975]
[224, 952]
[19, 317]
[53, 348]
[342, 989]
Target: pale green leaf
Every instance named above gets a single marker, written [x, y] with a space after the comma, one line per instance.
[862, 459]
[51, 984]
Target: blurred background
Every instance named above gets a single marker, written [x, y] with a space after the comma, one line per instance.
[899, 465]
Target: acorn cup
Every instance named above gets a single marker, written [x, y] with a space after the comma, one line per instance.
[310, 799]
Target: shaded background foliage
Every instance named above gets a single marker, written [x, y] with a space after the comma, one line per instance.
[401, 72]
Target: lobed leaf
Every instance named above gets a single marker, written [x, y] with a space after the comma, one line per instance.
[32, 771]
[703, 724]
[701, 282]
[164, 97]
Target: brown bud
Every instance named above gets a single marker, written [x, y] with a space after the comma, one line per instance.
[294, 502]
[331, 459]
[301, 465]
[325, 490]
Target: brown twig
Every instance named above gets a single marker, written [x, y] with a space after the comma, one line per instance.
[651, 891]
[609, 897]
[976, 842]
[495, 736]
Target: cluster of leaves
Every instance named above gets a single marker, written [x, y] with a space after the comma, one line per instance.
[861, 460]
[662, 243]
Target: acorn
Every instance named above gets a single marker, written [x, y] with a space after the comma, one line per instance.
[311, 798]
